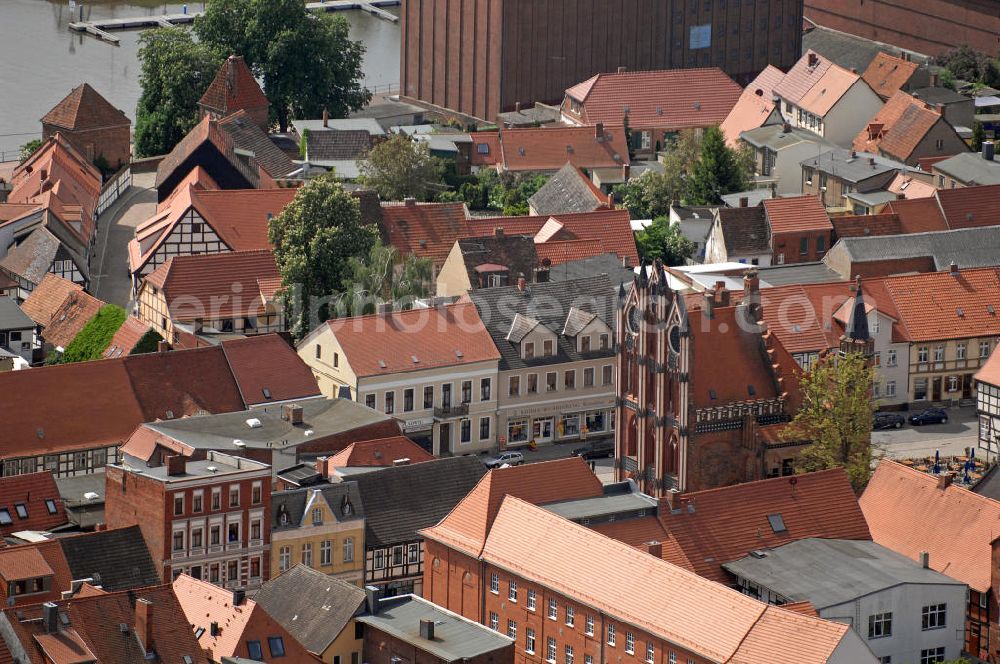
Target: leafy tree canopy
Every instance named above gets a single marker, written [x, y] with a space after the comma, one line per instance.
[314, 238]
[968, 64]
[664, 240]
[384, 276]
[91, 342]
[719, 170]
[400, 167]
[176, 71]
[30, 148]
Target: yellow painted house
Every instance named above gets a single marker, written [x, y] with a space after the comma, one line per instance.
[319, 527]
[318, 611]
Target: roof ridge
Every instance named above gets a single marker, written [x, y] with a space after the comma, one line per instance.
[414, 310]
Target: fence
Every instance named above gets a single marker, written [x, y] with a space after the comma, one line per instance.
[117, 185]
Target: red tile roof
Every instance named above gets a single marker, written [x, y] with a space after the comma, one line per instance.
[488, 155]
[910, 186]
[793, 215]
[828, 90]
[47, 297]
[713, 622]
[84, 108]
[380, 452]
[865, 225]
[70, 318]
[126, 338]
[990, 371]
[233, 88]
[268, 363]
[897, 128]
[467, 526]
[754, 106]
[563, 251]
[970, 207]
[380, 345]
[549, 148]
[918, 215]
[39, 495]
[21, 563]
[671, 98]
[886, 74]
[634, 532]
[905, 509]
[801, 77]
[427, 230]
[944, 305]
[721, 525]
[204, 603]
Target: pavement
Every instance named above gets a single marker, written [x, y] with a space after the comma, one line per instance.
[909, 442]
[110, 280]
[603, 468]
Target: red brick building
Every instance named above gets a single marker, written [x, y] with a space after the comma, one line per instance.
[699, 385]
[209, 519]
[92, 125]
[481, 57]
[801, 231]
[568, 594]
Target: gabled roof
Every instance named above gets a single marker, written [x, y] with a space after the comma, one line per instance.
[337, 144]
[412, 340]
[754, 107]
[796, 214]
[467, 526]
[433, 490]
[12, 317]
[745, 230]
[887, 74]
[549, 148]
[427, 230]
[970, 168]
[267, 369]
[116, 559]
[312, 606]
[32, 258]
[39, 496]
[207, 133]
[905, 507]
[945, 305]
[126, 338]
[569, 190]
[990, 371]
[84, 108]
[709, 620]
[675, 98]
[89, 629]
[918, 215]
[247, 136]
[866, 225]
[289, 509]
[970, 207]
[897, 128]
[233, 88]
[722, 525]
[828, 90]
[910, 187]
[380, 452]
[560, 252]
[70, 318]
[801, 78]
[513, 254]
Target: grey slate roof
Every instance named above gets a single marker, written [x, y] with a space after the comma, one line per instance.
[989, 484]
[828, 572]
[549, 303]
[337, 145]
[33, 257]
[970, 168]
[798, 273]
[967, 247]
[939, 95]
[455, 638]
[11, 316]
[754, 197]
[609, 264]
[856, 168]
[371, 125]
[521, 327]
[745, 230]
[776, 138]
[619, 498]
[293, 503]
[400, 500]
[246, 135]
[119, 557]
[576, 320]
[314, 607]
[527, 117]
[566, 191]
[846, 50]
[515, 252]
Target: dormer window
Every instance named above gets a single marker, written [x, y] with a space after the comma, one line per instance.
[585, 343]
[547, 348]
[529, 354]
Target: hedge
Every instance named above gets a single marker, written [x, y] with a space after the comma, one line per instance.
[91, 342]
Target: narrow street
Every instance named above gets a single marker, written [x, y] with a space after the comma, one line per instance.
[110, 279]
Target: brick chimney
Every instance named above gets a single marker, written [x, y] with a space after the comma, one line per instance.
[144, 623]
[326, 118]
[626, 172]
[410, 201]
[944, 480]
[498, 231]
[292, 413]
[751, 294]
[599, 131]
[622, 70]
[654, 548]
[813, 60]
[721, 294]
[744, 201]
[176, 465]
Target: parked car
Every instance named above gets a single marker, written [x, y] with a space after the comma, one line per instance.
[929, 416]
[888, 421]
[598, 449]
[505, 459]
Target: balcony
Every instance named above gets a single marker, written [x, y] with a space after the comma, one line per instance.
[451, 412]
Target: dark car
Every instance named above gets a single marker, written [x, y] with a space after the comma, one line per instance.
[888, 421]
[597, 449]
[929, 416]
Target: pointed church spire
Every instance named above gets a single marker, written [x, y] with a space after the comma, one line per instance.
[857, 324]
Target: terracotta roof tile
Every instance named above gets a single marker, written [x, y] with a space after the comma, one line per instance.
[990, 371]
[729, 522]
[897, 128]
[268, 370]
[970, 207]
[886, 74]
[800, 213]
[865, 225]
[918, 215]
[427, 230]
[941, 305]
[85, 108]
[801, 77]
[39, 496]
[674, 98]
[634, 532]
[754, 106]
[706, 618]
[22, 562]
[549, 148]
[910, 187]
[485, 148]
[467, 526]
[47, 297]
[233, 88]
[126, 338]
[380, 452]
[563, 251]
[70, 318]
[380, 345]
[905, 509]
[828, 90]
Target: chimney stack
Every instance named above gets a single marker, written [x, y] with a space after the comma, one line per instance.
[427, 629]
[292, 413]
[944, 480]
[744, 201]
[405, 461]
[239, 596]
[786, 127]
[721, 294]
[521, 284]
[517, 107]
[673, 500]
[144, 623]
[326, 119]
[50, 617]
[933, 80]
[373, 594]
[599, 131]
[925, 559]
[953, 268]
[626, 172]
[176, 465]
[622, 70]
[654, 548]
[989, 150]
[162, 346]
[813, 59]
[498, 231]
[409, 201]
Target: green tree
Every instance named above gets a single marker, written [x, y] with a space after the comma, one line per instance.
[384, 276]
[175, 72]
[836, 417]
[30, 148]
[307, 60]
[978, 135]
[314, 238]
[400, 167]
[968, 64]
[651, 194]
[664, 240]
[718, 170]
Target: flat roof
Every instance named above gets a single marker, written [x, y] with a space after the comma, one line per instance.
[214, 465]
[853, 166]
[618, 498]
[455, 638]
[828, 572]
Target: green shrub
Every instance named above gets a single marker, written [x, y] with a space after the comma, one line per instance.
[148, 343]
[91, 342]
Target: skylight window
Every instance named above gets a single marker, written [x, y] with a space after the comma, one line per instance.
[22, 510]
[5, 519]
[50, 505]
[483, 148]
[777, 523]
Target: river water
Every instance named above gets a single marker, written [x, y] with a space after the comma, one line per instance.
[41, 60]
